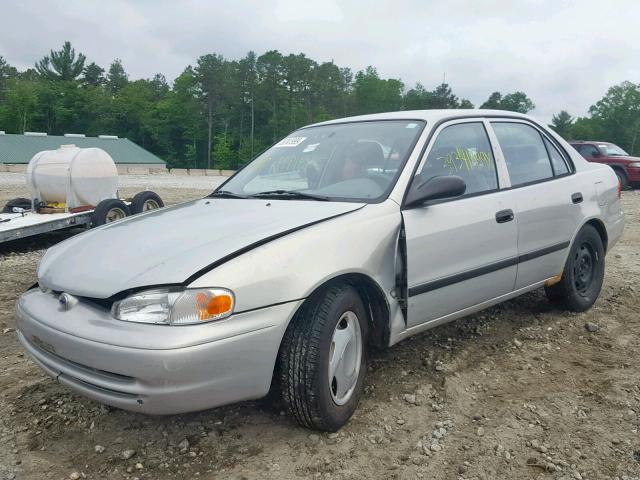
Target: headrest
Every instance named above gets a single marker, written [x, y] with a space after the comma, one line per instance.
[366, 153]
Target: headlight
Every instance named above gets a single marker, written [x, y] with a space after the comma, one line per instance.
[634, 164]
[175, 307]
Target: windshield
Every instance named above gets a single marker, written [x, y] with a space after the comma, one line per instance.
[610, 149]
[357, 161]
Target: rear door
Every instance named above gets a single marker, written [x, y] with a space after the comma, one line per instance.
[461, 251]
[546, 195]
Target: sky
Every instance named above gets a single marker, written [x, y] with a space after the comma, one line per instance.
[562, 54]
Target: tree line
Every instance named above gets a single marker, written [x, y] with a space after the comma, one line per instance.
[221, 112]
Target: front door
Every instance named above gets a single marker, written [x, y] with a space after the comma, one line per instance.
[461, 251]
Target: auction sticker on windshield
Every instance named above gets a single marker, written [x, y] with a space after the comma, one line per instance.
[290, 142]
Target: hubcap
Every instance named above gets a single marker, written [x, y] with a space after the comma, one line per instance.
[115, 214]
[345, 356]
[150, 205]
[584, 267]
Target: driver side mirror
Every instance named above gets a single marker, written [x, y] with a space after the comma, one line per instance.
[434, 188]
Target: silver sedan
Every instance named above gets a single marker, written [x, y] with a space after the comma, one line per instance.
[344, 235]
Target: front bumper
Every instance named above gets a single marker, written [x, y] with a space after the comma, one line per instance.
[155, 369]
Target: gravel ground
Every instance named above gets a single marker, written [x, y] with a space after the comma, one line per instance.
[518, 391]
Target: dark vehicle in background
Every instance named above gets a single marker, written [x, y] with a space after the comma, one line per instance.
[626, 167]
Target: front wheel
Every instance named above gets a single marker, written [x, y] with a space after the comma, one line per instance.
[583, 273]
[323, 357]
[622, 178]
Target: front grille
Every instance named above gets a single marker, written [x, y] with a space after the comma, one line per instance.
[100, 389]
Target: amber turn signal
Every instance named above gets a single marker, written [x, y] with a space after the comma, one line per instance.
[211, 306]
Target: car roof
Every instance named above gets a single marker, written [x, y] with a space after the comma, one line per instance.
[430, 116]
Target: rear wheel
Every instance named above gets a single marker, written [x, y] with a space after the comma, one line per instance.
[583, 273]
[145, 201]
[322, 360]
[108, 211]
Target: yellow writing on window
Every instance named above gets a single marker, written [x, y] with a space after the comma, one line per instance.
[465, 159]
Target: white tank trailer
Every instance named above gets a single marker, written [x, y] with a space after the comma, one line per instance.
[71, 177]
[70, 187]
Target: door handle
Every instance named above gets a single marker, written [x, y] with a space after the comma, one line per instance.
[577, 197]
[504, 216]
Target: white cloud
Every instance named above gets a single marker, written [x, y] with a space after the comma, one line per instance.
[563, 54]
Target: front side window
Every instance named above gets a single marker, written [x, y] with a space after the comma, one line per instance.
[463, 150]
[524, 152]
[357, 161]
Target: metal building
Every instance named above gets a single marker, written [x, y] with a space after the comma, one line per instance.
[17, 150]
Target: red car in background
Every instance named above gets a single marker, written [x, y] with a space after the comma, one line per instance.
[626, 167]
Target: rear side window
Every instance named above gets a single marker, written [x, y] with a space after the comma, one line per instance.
[524, 152]
[557, 160]
[463, 150]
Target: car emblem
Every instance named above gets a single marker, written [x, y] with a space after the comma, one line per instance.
[67, 301]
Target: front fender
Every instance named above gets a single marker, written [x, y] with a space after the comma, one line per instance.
[291, 267]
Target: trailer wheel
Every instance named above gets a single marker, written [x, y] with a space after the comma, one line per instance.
[145, 201]
[17, 202]
[108, 211]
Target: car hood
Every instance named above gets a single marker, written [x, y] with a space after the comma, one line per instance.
[624, 158]
[170, 246]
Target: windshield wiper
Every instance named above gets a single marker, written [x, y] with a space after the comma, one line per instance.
[292, 194]
[226, 194]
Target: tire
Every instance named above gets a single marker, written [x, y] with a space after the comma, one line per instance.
[145, 201]
[622, 178]
[305, 354]
[17, 202]
[108, 211]
[583, 273]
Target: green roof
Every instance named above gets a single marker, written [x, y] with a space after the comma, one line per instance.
[21, 148]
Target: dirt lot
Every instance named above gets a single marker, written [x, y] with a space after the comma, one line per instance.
[518, 391]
